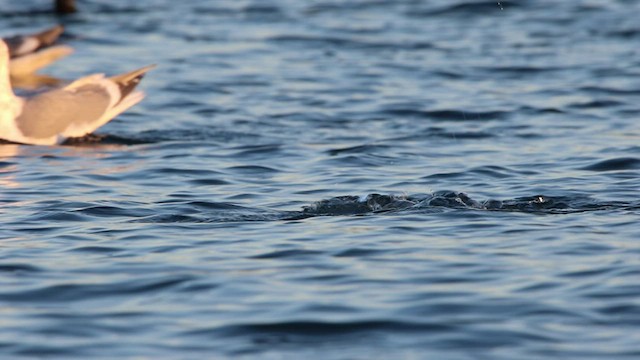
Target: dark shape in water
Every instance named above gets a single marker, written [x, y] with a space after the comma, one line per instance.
[353, 205]
[617, 164]
[102, 139]
[65, 6]
[445, 199]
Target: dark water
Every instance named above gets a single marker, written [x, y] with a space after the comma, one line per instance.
[335, 180]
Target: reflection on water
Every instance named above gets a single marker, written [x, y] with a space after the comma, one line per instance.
[8, 170]
[8, 150]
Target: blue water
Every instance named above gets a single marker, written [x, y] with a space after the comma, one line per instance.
[409, 179]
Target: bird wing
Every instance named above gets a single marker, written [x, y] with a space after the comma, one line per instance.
[51, 113]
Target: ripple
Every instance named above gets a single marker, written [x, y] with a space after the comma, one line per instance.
[357, 149]
[209, 182]
[320, 328]
[176, 211]
[85, 292]
[610, 90]
[96, 249]
[595, 104]
[446, 115]
[253, 170]
[468, 9]
[103, 139]
[19, 268]
[617, 164]
[287, 254]
[113, 211]
[358, 252]
[59, 216]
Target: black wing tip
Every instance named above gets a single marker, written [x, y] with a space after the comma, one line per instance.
[127, 88]
[49, 36]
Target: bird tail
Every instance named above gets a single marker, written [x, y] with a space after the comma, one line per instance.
[128, 81]
[49, 36]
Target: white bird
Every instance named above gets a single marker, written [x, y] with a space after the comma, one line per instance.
[74, 110]
[29, 53]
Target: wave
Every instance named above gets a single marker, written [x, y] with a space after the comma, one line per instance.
[374, 204]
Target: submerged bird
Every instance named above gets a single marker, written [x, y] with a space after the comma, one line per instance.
[65, 6]
[74, 110]
[30, 53]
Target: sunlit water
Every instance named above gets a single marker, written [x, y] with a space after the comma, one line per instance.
[335, 180]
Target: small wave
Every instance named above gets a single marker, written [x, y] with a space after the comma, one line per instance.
[112, 211]
[472, 8]
[446, 114]
[253, 170]
[103, 139]
[625, 34]
[353, 205]
[520, 70]
[96, 249]
[175, 137]
[213, 212]
[320, 328]
[376, 203]
[349, 43]
[359, 149]
[617, 164]
[595, 104]
[297, 254]
[19, 268]
[342, 6]
[598, 90]
[82, 292]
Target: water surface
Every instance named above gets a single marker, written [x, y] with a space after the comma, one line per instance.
[334, 180]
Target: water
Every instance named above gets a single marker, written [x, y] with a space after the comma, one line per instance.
[335, 180]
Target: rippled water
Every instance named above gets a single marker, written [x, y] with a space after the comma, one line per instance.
[335, 180]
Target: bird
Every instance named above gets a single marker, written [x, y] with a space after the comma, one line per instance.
[64, 6]
[29, 53]
[74, 110]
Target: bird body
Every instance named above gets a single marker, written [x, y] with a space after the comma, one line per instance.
[74, 110]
